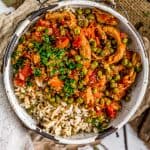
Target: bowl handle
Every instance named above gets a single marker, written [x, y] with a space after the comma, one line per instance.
[41, 11]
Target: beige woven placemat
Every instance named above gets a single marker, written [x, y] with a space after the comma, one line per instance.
[138, 13]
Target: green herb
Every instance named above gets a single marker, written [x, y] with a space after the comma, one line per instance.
[71, 65]
[18, 64]
[21, 40]
[48, 39]
[15, 53]
[28, 82]
[37, 72]
[68, 87]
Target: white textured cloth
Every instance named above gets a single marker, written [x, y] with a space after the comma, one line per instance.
[13, 136]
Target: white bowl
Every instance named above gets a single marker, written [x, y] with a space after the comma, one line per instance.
[128, 109]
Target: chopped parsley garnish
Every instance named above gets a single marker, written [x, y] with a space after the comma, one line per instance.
[18, 64]
[37, 72]
[68, 87]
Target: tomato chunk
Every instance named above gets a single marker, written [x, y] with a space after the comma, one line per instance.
[111, 112]
[62, 42]
[19, 82]
[44, 23]
[77, 42]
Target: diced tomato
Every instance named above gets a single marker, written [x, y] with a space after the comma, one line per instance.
[98, 110]
[77, 42]
[93, 78]
[36, 36]
[56, 83]
[97, 41]
[98, 95]
[73, 52]
[19, 82]
[56, 31]
[62, 21]
[62, 42]
[37, 33]
[44, 23]
[111, 111]
[104, 16]
[73, 74]
[123, 35]
[25, 72]
[50, 31]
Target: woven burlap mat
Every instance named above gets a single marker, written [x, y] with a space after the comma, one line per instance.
[139, 14]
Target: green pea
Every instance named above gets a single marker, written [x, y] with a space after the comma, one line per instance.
[125, 41]
[117, 77]
[113, 42]
[30, 45]
[86, 22]
[125, 62]
[57, 101]
[102, 101]
[79, 66]
[63, 32]
[101, 119]
[81, 23]
[66, 99]
[112, 81]
[89, 120]
[94, 65]
[113, 85]
[111, 50]
[109, 77]
[108, 69]
[87, 11]
[74, 84]
[94, 49]
[138, 68]
[81, 85]
[127, 98]
[107, 93]
[112, 66]
[39, 29]
[48, 97]
[70, 100]
[77, 58]
[129, 65]
[115, 90]
[55, 104]
[77, 31]
[91, 17]
[108, 102]
[84, 71]
[79, 11]
[80, 100]
[62, 77]
[86, 106]
[100, 74]
[108, 44]
[97, 100]
[93, 43]
[103, 53]
[95, 91]
[99, 50]
[52, 100]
